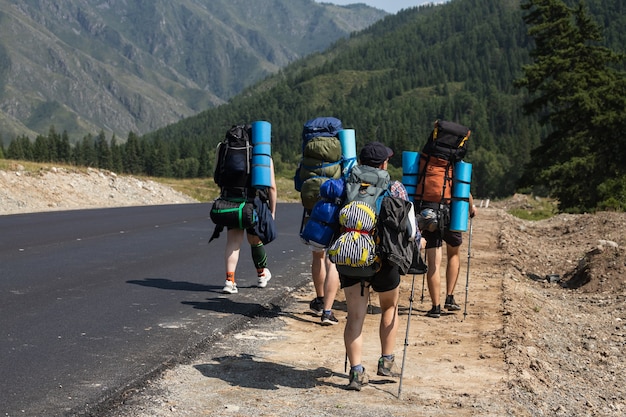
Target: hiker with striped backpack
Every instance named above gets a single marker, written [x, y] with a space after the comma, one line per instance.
[367, 257]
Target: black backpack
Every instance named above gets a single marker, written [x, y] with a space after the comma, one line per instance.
[233, 162]
[447, 141]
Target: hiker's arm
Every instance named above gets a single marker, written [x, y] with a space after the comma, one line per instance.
[472, 207]
[272, 191]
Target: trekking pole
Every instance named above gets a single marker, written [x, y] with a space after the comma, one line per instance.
[423, 278]
[469, 255]
[406, 337]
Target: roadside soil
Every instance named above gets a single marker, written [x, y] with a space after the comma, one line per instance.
[541, 331]
[520, 346]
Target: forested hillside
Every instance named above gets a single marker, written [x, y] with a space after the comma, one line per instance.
[390, 82]
[84, 66]
[456, 61]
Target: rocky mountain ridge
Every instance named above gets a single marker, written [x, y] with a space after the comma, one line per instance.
[87, 66]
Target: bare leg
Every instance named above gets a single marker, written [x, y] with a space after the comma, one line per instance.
[331, 284]
[234, 237]
[352, 335]
[433, 259]
[318, 272]
[388, 320]
[453, 267]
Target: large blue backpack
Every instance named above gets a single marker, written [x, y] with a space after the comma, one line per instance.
[320, 127]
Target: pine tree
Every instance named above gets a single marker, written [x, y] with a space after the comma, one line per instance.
[578, 94]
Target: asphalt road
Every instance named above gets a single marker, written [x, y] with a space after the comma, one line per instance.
[93, 301]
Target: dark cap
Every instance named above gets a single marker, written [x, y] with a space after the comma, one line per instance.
[374, 154]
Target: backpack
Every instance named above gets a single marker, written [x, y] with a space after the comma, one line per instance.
[321, 158]
[322, 225]
[320, 127]
[396, 233]
[355, 252]
[233, 162]
[446, 145]
[447, 141]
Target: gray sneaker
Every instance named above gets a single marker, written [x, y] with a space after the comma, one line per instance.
[329, 319]
[384, 366]
[357, 380]
[317, 306]
[434, 312]
[450, 305]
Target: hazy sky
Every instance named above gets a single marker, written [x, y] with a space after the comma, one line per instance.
[390, 6]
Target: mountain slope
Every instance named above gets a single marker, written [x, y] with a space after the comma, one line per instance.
[91, 65]
[456, 61]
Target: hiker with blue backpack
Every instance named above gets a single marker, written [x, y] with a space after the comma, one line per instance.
[322, 160]
[375, 247]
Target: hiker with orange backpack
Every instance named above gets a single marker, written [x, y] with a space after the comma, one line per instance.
[434, 244]
[443, 151]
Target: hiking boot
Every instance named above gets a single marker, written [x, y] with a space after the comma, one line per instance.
[450, 304]
[329, 319]
[264, 277]
[317, 306]
[434, 312]
[230, 288]
[384, 366]
[357, 380]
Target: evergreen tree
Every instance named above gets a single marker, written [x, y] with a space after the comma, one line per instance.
[159, 165]
[133, 156]
[580, 97]
[41, 149]
[103, 152]
[64, 149]
[54, 143]
[117, 158]
[87, 152]
[205, 167]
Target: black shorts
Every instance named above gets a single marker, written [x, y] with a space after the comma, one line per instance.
[249, 230]
[387, 279]
[434, 239]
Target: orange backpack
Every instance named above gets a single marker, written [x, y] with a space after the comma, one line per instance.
[435, 180]
[446, 145]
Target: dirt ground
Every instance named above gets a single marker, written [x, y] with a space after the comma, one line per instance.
[542, 331]
[520, 346]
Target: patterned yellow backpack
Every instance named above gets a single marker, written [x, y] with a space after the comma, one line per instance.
[354, 251]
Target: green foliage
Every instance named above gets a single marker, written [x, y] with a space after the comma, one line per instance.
[456, 61]
[391, 81]
[581, 98]
[535, 209]
[612, 194]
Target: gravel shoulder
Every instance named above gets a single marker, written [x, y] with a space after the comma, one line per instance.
[526, 347]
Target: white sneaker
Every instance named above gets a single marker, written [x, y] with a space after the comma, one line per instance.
[265, 276]
[230, 288]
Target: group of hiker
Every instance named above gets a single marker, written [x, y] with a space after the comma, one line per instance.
[363, 229]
